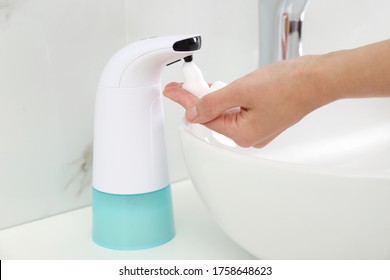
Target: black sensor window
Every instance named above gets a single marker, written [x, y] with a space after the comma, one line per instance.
[187, 45]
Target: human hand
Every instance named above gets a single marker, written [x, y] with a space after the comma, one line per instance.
[256, 108]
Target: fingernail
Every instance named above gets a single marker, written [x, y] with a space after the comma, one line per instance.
[192, 114]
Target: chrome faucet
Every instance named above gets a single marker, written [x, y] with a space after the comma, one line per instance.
[280, 29]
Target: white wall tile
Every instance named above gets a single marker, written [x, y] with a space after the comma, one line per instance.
[51, 54]
[342, 24]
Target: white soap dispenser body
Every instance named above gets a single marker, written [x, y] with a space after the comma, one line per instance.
[132, 205]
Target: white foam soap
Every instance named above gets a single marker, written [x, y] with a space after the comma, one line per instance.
[217, 85]
[194, 81]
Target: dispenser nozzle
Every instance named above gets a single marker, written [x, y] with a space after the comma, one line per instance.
[188, 58]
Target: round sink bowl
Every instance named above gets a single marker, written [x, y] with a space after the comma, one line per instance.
[321, 190]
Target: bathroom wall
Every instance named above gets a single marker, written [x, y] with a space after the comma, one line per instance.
[51, 56]
[342, 24]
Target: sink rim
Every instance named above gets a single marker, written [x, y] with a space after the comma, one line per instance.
[185, 128]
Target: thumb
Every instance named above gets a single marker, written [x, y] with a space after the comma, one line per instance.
[213, 105]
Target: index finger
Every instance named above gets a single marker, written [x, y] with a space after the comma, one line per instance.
[175, 92]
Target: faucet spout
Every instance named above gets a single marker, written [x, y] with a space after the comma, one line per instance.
[280, 29]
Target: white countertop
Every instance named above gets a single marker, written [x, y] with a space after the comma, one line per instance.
[68, 236]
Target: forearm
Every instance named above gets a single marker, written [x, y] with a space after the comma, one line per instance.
[355, 73]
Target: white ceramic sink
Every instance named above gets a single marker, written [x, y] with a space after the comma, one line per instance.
[321, 190]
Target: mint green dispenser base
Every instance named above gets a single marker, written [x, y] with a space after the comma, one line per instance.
[132, 222]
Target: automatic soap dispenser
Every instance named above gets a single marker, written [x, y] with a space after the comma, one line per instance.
[132, 204]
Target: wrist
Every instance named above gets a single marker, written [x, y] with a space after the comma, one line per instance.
[337, 76]
[319, 88]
